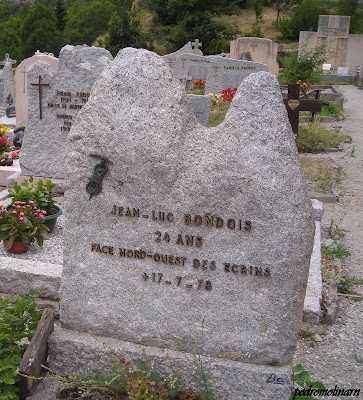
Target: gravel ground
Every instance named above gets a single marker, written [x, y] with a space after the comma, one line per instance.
[338, 359]
[52, 250]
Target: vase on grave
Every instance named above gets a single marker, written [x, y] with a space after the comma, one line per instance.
[51, 219]
[6, 163]
[16, 248]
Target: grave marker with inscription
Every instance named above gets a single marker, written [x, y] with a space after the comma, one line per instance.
[55, 99]
[227, 73]
[171, 58]
[201, 107]
[21, 82]
[188, 224]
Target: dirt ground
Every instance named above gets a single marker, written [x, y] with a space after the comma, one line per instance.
[338, 359]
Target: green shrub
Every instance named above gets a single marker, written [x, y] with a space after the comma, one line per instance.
[314, 138]
[19, 319]
[332, 110]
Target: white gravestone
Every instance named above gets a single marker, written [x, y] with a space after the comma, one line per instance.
[21, 82]
[8, 79]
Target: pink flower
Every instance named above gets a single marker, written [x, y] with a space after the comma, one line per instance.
[28, 205]
[17, 202]
[31, 202]
[1, 205]
[38, 211]
[354, 287]
[21, 214]
[23, 202]
[17, 206]
[41, 216]
[304, 84]
[21, 219]
[44, 212]
[14, 212]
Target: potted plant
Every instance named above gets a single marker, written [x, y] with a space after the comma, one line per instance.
[4, 148]
[21, 225]
[40, 195]
[6, 159]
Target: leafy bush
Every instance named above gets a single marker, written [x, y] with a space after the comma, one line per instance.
[18, 320]
[304, 67]
[332, 110]
[314, 138]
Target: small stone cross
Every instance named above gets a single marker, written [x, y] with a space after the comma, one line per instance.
[196, 50]
[7, 60]
[196, 44]
[215, 67]
[294, 105]
[40, 86]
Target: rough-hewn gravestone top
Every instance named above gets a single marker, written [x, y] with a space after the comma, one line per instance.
[191, 223]
[55, 99]
[171, 58]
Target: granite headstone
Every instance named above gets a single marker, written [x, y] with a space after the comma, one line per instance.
[201, 107]
[171, 58]
[55, 99]
[227, 73]
[184, 224]
[8, 80]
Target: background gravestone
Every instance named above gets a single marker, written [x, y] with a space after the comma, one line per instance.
[201, 107]
[197, 67]
[1, 87]
[21, 82]
[53, 108]
[171, 58]
[190, 224]
[8, 80]
[227, 73]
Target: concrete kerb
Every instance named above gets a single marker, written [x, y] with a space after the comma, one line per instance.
[314, 290]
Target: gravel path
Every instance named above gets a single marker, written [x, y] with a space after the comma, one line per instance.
[338, 359]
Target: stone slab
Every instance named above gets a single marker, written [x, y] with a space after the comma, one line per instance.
[36, 355]
[243, 270]
[72, 352]
[201, 107]
[18, 276]
[261, 50]
[45, 142]
[6, 172]
[314, 290]
[171, 58]
[226, 73]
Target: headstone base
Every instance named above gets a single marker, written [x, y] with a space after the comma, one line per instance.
[71, 352]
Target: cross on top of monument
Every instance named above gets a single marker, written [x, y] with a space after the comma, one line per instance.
[7, 60]
[196, 44]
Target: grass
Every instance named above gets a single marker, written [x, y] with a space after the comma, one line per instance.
[315, 137]
[319, 174]
[218, 113]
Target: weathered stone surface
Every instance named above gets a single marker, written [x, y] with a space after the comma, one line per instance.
[261, 50]
[201, 107]
[227, 73]
[36, 355]
[44, 147]
[314, 290]
[79, 352]
[246, 172]
[18, 276]
[171, 58]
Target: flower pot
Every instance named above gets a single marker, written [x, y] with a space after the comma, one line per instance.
[16, 248]
[51, 218]
[6, 163]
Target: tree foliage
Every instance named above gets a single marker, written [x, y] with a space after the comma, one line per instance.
[177, 22]
[39, 31]
[124, 29]
[10, 39]
[305, 17]
[87, 19]
[350, 8]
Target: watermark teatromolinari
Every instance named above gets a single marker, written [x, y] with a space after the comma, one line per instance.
[337, 391]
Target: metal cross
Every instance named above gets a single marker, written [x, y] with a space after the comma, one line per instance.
[40, 84]
[294, 104]
[7, 60]
[196, 44]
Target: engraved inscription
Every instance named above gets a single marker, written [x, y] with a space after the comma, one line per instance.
[157, 277]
